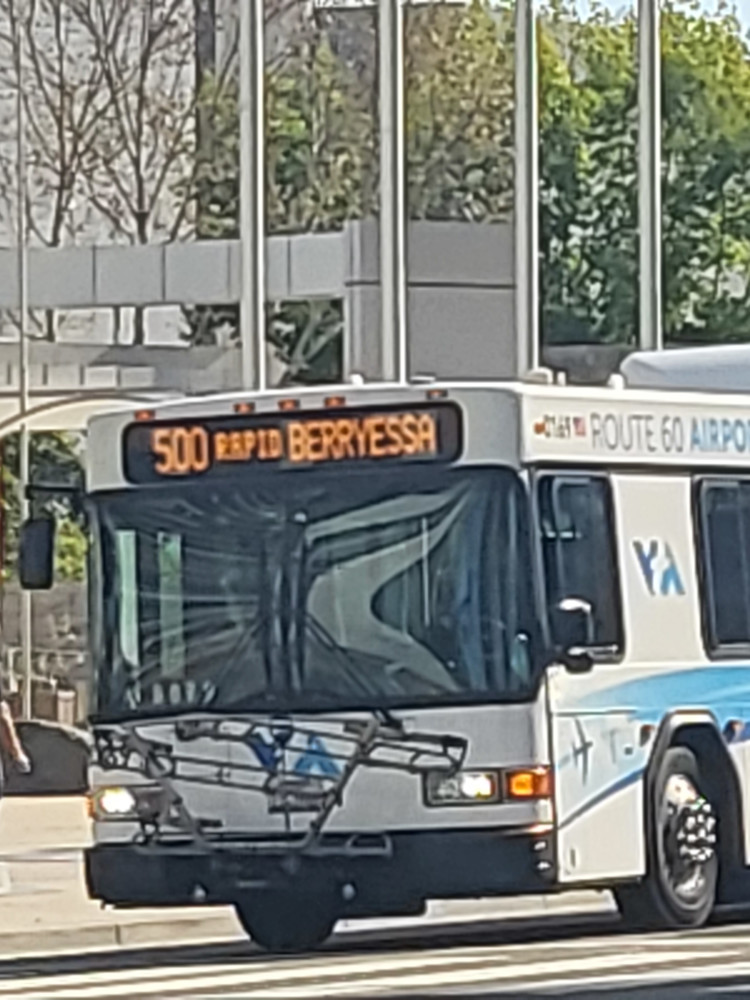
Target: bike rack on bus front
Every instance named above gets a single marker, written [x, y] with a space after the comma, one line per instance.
[317, 788]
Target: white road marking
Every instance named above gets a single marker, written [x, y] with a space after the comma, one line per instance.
[347, 965]
[469, 977]
[665, 977]
[352, 979]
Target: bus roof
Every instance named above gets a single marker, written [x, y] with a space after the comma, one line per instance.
[725, 368]
[512, 423]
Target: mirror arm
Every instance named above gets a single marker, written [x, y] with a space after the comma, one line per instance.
[76, 495]
[577, 659]
[34, 490]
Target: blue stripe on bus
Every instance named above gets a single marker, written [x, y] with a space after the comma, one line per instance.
[711, 686]
[617, 786]
[721, 690]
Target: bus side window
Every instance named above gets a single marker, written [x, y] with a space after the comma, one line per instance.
[725, 527]
[576, 531]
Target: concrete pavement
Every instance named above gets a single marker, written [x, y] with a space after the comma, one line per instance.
[581, 959]
[44, 906]
[43, 901]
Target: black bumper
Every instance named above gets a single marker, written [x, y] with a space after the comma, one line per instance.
[422, 865]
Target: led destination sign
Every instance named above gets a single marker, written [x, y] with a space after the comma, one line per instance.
[225, 446]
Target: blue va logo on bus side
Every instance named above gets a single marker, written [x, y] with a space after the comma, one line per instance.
[313, 758]
[659, 567]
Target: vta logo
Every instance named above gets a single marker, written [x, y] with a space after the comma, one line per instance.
[659, 567]
[312, 757]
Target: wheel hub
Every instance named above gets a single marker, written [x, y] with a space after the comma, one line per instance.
[689, 835]
[694, 826]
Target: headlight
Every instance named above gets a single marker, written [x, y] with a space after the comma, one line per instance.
[138, 802]
[109, 802]
[464, 788]
[516, 784]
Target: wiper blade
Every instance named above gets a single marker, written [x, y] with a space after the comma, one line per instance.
[352, 668]
[386, 716]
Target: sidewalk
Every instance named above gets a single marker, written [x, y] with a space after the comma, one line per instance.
[44, 906]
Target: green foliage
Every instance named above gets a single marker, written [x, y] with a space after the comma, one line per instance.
[71, 547]
[707, 169]
[320, 172]
[55, 460]
[322, 168]
[588, 177]
[307, 338]
[320, 144]
[459, 109]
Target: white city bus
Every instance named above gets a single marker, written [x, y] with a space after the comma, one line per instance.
[360, 649]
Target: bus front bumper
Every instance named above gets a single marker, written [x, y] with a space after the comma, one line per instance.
[422, 865]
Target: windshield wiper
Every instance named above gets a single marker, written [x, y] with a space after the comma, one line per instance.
[352, 668]
[380, 712]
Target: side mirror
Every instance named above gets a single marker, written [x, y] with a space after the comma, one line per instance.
[36, 553]
[573, 626]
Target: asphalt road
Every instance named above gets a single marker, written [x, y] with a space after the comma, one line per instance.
[576, 957]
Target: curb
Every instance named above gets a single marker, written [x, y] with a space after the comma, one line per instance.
[208, 929]
[211, 928]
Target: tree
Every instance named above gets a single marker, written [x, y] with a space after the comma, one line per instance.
[63, 104]
[706, 174]
[459, 108]
[320, 173]
[55, 460]
[459, 78]
[588, 143]
[322, 147]
[111, 105]
[142, 166]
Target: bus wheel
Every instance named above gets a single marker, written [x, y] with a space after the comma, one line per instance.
[285, 922]
[679, 888]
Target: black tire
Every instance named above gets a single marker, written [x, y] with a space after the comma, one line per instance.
[285, 923]
[675, 892]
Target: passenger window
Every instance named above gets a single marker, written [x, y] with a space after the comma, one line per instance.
[578, 550]
[725, 527]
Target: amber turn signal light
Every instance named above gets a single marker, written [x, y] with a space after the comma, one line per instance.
[528, 783]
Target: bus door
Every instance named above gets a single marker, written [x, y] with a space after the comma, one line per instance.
[597, 811]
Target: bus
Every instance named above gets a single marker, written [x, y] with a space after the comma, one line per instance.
[360, 648]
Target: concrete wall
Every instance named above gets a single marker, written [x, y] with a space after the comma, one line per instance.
[460, 303]
[460, 306]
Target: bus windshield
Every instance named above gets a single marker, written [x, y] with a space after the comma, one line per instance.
[314, 592]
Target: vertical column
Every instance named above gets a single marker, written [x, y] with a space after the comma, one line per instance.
[24, 475]
[526, 189]
[252, 194]
[393, 330]
[649, 177]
